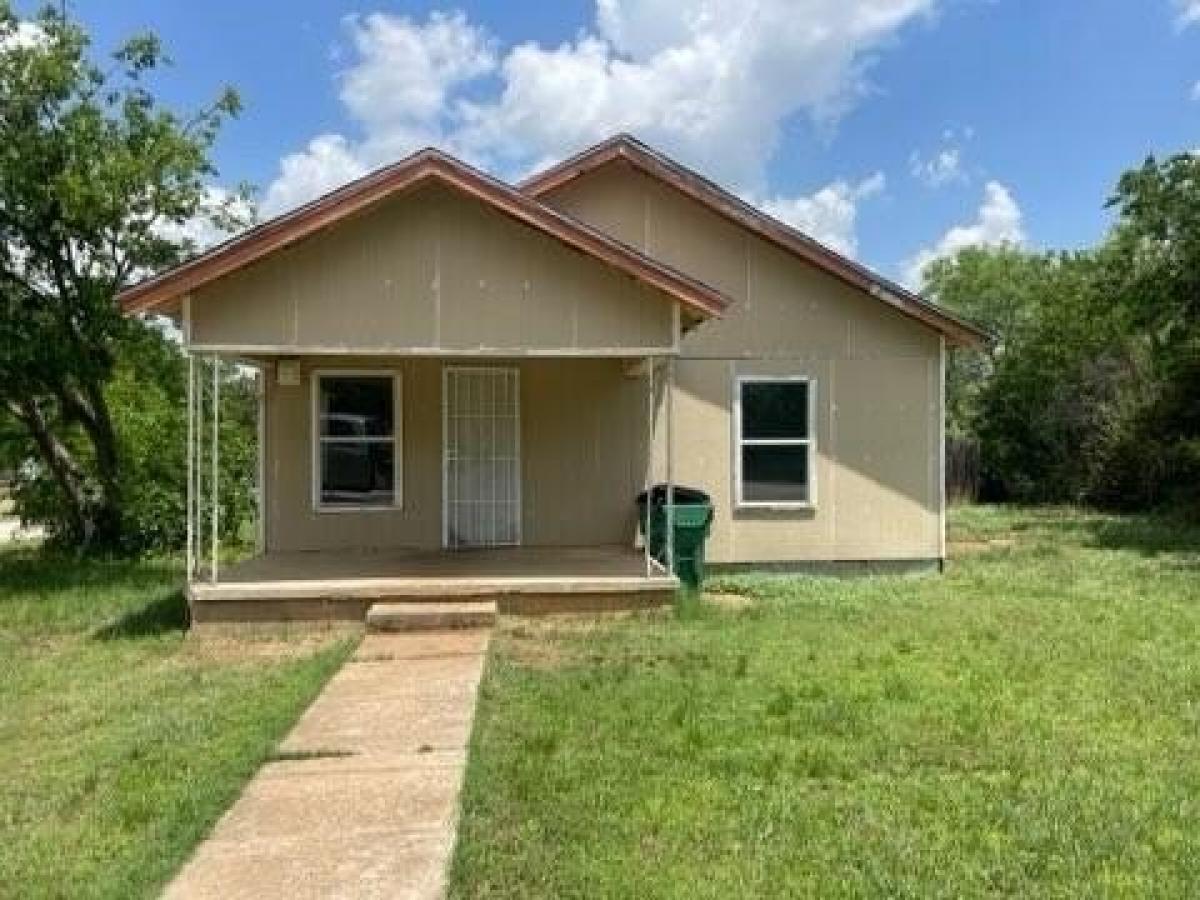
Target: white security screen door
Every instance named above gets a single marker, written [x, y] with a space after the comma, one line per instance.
[481, 470]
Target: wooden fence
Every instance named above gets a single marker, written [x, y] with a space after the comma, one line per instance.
[962, 470]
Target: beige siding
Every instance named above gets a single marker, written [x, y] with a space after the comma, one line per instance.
[877, 377]
[583, 424]
[429, 272]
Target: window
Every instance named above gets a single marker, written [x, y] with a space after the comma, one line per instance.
[357, 454]
[774, 452]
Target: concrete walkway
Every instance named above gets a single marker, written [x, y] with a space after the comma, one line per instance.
[366, 804]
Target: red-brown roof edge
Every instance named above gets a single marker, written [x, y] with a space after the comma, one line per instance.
[292, 226]
[662, 167]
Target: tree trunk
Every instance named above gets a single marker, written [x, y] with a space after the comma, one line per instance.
[103, 436]
[104, 439]
[62, 465]
[88, 407]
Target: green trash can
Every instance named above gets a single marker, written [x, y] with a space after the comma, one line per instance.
[693, 515]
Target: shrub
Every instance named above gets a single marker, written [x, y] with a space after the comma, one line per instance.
[148, 402]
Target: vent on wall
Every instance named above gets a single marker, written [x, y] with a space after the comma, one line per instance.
[287, 372]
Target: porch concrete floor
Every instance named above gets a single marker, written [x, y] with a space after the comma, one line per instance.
[368, 803]
[594, 569]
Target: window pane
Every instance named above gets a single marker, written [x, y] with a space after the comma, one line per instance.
[357, 473]
[356, 407]
[773, 474]
[777, 409]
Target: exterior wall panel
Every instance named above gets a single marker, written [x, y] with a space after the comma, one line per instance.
[430, 272]
[582, 450]
[435, 273]
[876, 374]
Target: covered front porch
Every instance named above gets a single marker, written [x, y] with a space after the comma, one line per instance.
[342, 585]
[508, 481]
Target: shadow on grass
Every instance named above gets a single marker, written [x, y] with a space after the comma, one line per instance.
[47, 570]
[689, 604]
[165, 614]
[1151, 536]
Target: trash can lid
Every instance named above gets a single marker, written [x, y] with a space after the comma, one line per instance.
[684, 496]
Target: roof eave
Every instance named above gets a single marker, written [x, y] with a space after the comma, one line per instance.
[407, 174]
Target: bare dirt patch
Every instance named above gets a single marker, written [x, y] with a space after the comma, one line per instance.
[971, 547]
[550, 642]
[537, 646]
[726, 600]
[263, 647]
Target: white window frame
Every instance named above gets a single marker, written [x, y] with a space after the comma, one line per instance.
[397, 440]
[739, 442]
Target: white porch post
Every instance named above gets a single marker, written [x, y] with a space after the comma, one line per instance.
[647, 483]
[260, 469]
[215, 502]
[190, 501]
[198, 479]
[669, 399]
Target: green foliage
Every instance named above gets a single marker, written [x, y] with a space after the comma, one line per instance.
[1089, 393]
[96, 182]
[11, 441]
[1000, 289]
[1158, 237]
[147, 399]
[149, 402]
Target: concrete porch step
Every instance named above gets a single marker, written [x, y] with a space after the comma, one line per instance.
[431, 615]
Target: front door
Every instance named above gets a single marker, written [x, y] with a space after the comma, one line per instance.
[481, 456]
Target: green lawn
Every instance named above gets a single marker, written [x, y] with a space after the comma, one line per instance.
[120, 741]
[1026, 725]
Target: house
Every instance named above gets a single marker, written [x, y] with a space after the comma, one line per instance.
[465, 384]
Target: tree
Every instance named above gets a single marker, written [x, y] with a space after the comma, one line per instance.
[998, 288]
[1058, 395]
[96, 179]
[1089, 393]
[147, 403]
[1157, 242]
[1159, 236]
[1020, 399]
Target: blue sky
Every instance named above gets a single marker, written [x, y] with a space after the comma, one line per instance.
[893, 129]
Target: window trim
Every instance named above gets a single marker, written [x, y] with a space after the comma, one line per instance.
[739, 442]
[315, 376]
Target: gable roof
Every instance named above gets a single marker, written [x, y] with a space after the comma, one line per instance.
[424, 167]
[626, 148]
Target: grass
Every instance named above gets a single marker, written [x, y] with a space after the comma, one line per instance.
[120, 741]
[1027, 724]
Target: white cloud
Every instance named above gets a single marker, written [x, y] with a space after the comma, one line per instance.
[998, 222]
[711, 81]
[1188, 12]
[945, 165]
[1196, 91]
[222, 213]
[942, 168]
[24, 34]
[831, 214]
[328, 161]
[401, 87]
[399, 91]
